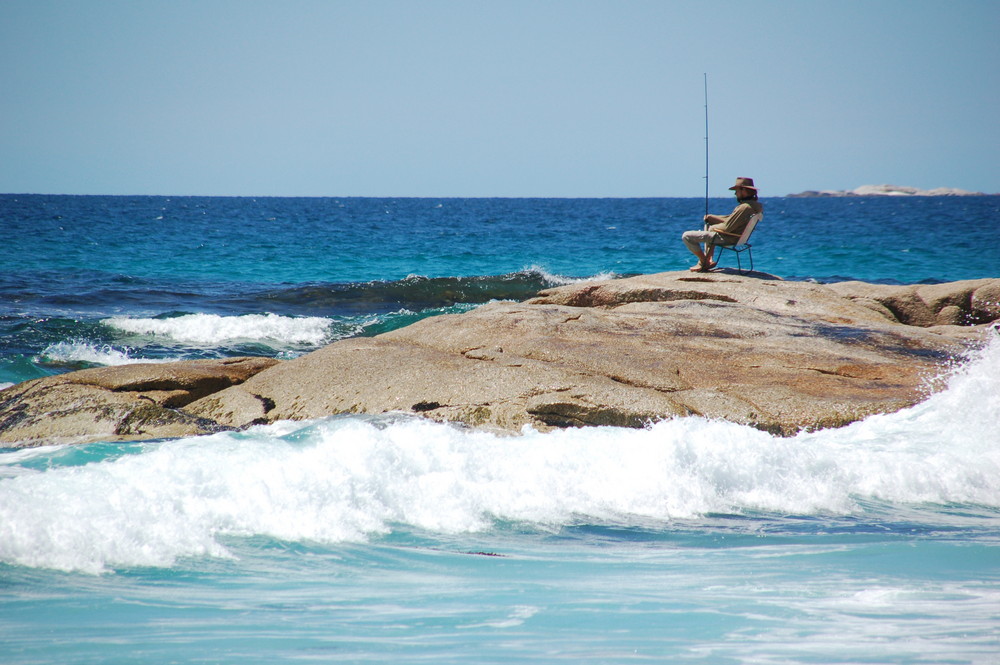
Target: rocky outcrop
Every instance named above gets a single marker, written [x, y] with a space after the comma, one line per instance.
[141, 401]
[780, 356]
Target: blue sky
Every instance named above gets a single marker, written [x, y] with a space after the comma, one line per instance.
[495, 98]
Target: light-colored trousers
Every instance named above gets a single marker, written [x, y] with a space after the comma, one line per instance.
[708, 238]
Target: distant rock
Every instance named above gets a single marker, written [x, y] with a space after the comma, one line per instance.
[887, 190]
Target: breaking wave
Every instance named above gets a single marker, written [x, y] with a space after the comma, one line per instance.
[212, 329]
[350, 478]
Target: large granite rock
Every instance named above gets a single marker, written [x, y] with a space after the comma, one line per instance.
[778, 355]
[781, 356]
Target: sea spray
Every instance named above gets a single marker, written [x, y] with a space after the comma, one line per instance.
[84, 352]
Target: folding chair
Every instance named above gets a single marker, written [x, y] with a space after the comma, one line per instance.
[743, 244]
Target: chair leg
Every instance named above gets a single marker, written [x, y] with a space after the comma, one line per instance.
[722, 247]
[737, 252]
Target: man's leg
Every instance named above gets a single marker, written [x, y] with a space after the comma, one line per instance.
[693, 240]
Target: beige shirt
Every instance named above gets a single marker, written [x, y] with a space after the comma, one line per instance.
[734, 223]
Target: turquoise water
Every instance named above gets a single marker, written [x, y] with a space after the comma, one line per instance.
[754, 589]
[390, 539]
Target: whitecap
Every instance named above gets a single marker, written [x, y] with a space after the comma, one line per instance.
[212, 329]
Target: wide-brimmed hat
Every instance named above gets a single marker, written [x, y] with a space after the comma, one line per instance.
[744, 182]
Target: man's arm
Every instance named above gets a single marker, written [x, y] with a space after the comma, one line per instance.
[734, 223]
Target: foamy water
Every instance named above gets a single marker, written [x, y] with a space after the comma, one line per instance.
[83, 351]
[213, 329]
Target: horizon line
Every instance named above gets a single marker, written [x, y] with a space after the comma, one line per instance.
[818, 194]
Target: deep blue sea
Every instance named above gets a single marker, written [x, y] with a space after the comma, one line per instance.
[390, 539]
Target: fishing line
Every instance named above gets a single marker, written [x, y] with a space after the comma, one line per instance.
[706, 143]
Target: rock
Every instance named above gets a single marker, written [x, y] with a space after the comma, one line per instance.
[781, 356]
[140, 401]
[752, 349]
[965, 303]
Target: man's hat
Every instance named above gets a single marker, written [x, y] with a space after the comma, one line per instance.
[744, 182]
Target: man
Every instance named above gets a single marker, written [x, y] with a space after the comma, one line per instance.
[723, 230]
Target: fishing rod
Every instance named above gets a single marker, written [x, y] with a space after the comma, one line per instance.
[706, 143]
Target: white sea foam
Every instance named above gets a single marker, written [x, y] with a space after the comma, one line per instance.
[212, 329]
[348, 478]
[77, 351]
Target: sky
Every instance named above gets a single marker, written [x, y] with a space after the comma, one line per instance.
[505, 98]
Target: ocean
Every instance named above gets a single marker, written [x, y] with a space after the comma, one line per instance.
[391, 539]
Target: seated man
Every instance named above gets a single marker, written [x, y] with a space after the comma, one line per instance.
[723, 230]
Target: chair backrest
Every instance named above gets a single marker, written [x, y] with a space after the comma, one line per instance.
[749, 229]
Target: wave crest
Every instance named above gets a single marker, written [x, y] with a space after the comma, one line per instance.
[416, 292]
